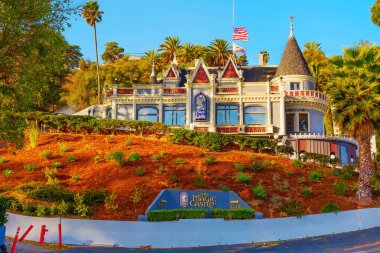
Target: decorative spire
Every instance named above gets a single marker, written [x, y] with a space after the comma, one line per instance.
[153, 79]
[291, 17]
[175, 60]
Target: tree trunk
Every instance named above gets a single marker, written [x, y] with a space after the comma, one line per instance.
[97, 64]
[366, 166]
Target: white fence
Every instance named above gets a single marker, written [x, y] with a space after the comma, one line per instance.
[193, 233]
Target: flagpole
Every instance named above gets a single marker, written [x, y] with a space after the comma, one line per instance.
[233, 25]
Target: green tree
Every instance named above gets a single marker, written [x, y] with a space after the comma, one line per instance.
[355, 97]
[219, 51]
[242, 60]
[188, 52]
[169, 48]
[375, 10]
[73, 55]
[112, 52]
[265, 56]
[93, 15]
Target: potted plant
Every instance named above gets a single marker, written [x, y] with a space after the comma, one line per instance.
[4, 204]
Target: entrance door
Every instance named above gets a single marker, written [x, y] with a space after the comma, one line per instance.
[290, 118]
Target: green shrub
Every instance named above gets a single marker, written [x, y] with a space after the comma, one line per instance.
[28, 209]
[199, 182]
[238, 214]
[256, 167]
[53, 210]
[71, 159]
[179, 160]
[33, 133]
[4, 205]
[41, 211]
[93, 197]
[46, 154]
[175, 214]
[63, 147]
[7, 172]
[243, 178]
[239, 166]
[63, 208]
[302, 180]
[134, 157]
[346, 175]
[128, 141]
[292, 207]
[139, 171]
[118, 157]
[286, 150]
[273, 163]
[330, 208]
[156, 157]
[96, 159]
[47, 192]
[350, 168]
[30, 167]
[210, 160]
[375, 184]
[75, 178]
[267, 163]
[306, 191]
[260, 192]
[163, 153]
[3, 160]
[298, 164]
[161, 170]
[174, 178]
[135, 196]
[110, 202]
[316, 175]
[224, 188]
[80, 208]
[340, 188]
[56, 165]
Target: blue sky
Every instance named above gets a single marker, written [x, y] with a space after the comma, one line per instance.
[141, 25]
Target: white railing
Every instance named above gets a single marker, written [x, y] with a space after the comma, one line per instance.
[321, 136]
[305, 93]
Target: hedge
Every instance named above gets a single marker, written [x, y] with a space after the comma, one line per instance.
[175, 214]
[238, 214]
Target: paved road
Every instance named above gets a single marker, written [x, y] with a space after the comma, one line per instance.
[365, 241]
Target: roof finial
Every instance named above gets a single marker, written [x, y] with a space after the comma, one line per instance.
[291, 17]
[153, 73]
[175, 60]
[153, 79]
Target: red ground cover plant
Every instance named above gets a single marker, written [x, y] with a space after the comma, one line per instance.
[94, 169]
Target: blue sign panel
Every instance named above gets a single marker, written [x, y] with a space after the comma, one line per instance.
[200, 199]
[201, 107]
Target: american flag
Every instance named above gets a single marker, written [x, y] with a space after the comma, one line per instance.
[240, 33]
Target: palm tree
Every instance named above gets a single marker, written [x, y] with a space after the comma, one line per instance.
[375, 10]
[219, 51]
[265, 56]
[170, 47]
[188, 52]
[93, 16]
[355, 97]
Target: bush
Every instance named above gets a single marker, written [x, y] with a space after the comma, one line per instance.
[71, 159]
[46, 154]
[174, 178]
[267, 163]
[33, 135]
[199, 182]
[260, 192]
[156, 157]
[80, 208]
[53, 210]
[306, 192]
[330, 208]
[243, 178]
[175, 214]
[346, 175]
[93, 197]
[40, 211]
[110, 202]
[256, 167]
[3, 160]
[238, 214]
[56, 165]
[136, 195]
[46, 192]
[316, 175]
[128, 142]
[30, 167]
[139, 171]
[292, 207]
[134, 157]
[179, 160]
[7, 172]
[118, 157]
[286, 150]
[340, 188]
[4, 205]
[298, 164]
[273, 163]
[75, 178]
[63, 147]
[210, 160]
[239, 166]
[162, 153]
[63, 208]
[302, 180]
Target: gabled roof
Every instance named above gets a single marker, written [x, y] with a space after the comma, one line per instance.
[200, 74]
[230, 70]
[292, 61]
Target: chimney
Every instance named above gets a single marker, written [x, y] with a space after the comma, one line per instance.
[261, 59]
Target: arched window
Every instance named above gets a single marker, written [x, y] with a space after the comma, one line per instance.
[148, 114]
[254, 115]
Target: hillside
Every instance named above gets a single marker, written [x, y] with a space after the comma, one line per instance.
[164, 165]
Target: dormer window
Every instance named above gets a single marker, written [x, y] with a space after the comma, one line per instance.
[295, 86]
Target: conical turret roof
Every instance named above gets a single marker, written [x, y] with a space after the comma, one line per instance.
[292, 61]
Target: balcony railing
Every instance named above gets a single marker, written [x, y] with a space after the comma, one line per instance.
[174, 91]
[148, 92]
[305, 93]
[255, 129]
[125, 91]
[227, 129]
[320, 136]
